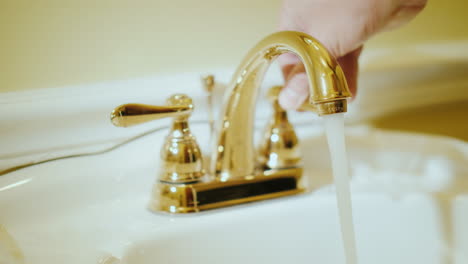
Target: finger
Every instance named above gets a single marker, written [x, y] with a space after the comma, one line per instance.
[287, 62]
[296, 90]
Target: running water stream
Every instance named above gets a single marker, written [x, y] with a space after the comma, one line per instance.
[334, 129]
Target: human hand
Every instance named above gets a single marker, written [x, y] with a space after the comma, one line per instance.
[342, 26]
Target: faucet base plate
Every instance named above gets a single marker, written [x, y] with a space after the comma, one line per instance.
[205, 195]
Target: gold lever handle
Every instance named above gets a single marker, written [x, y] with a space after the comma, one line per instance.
[179, 106]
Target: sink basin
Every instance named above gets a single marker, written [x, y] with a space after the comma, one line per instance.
[302, 230]
[408, 192]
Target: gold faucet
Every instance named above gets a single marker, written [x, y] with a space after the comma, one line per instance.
[236, 175]
[328, 93]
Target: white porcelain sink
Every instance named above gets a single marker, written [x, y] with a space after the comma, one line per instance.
[409, 191]
[408, 198]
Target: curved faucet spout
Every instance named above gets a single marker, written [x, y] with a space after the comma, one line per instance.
[234, 154]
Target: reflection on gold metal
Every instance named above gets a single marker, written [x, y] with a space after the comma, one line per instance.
[328, 93]
[236, 176]
[181, 187]
[210, 194]
[133, 114]
[280, 148]
[181, 156]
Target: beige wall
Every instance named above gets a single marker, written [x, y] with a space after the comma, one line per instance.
[47, 43]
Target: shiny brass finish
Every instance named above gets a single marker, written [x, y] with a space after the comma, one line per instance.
[280, 148]
[234, 155]
[236, 175]
[133, 114]
[210, 194]
[181, 156]
[182, 186]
